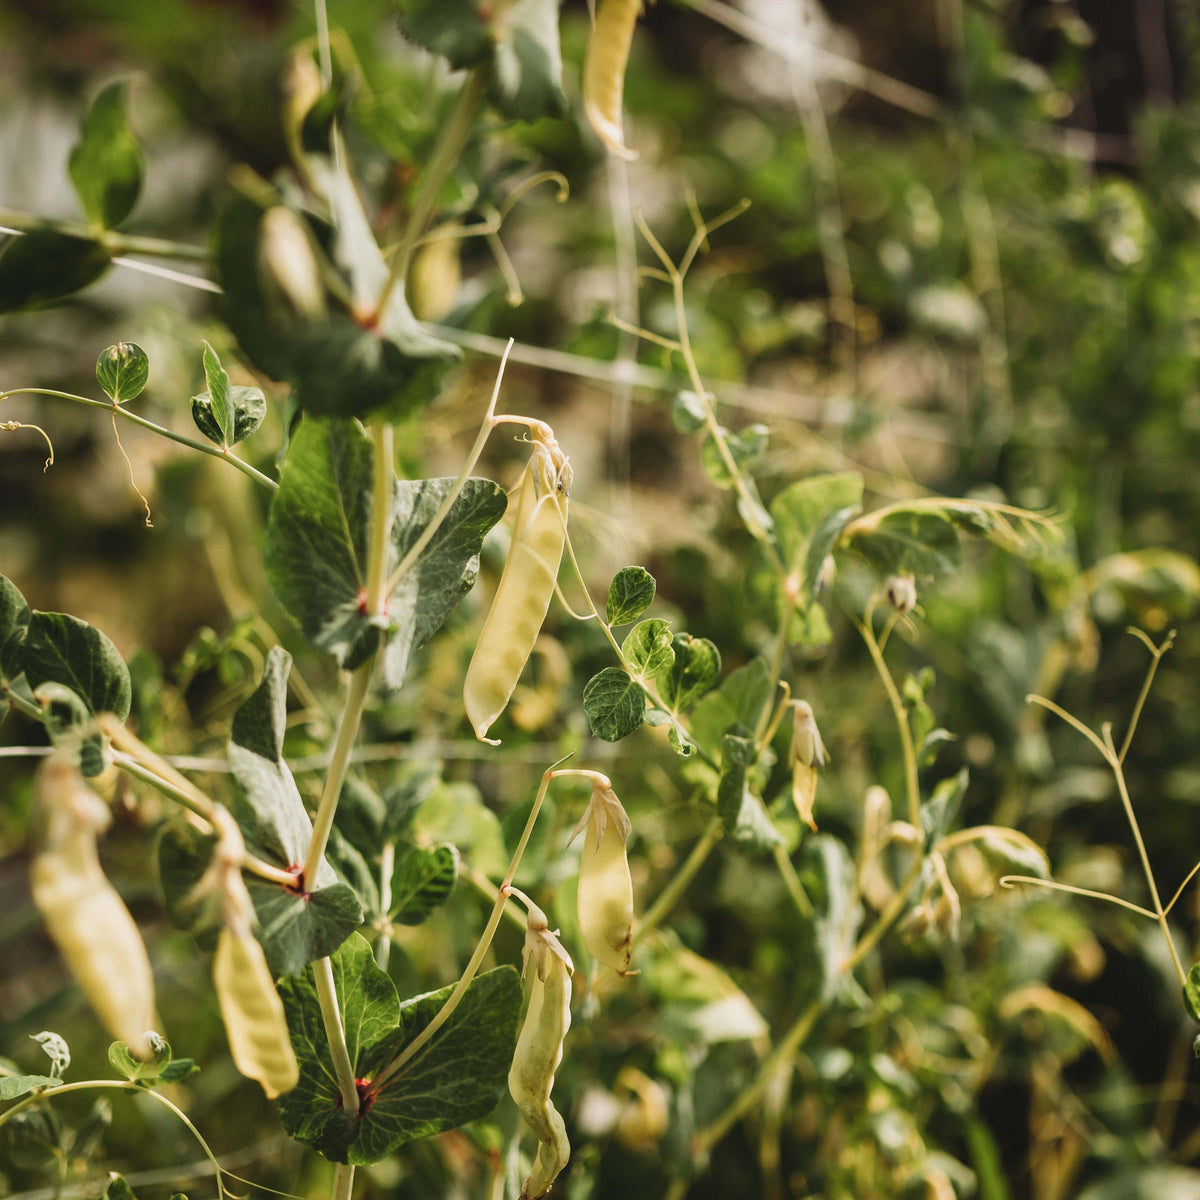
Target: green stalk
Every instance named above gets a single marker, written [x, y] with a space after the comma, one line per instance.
[114, 243]
[331, 1018]
[192, 444]
[450, 143]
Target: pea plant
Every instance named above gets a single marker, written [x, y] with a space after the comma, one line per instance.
[302, 894]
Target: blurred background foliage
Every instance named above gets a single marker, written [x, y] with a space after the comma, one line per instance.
[970, 267]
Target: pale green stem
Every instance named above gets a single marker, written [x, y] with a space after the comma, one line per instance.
[1179, 891]
[114, 243]
[427, 534]
[670, 895]
[450, 143]
[122, 1085]
[331, 1019]
[22, 705]
[485, 940]
[383, 460]
[1157, 652]
[387, 864]
[1159, 913]
[203, 447]
[343, 1181]
[887, 918]
[335, 776]
[912, 780]
[792, 882]
[1008, 881]
[1075, 724]
[250, 862]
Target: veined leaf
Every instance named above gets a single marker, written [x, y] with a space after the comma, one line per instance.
[106, 165]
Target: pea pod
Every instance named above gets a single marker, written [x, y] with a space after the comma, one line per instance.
[604, 65]
[525, 588]
[83, 913]
[605, 885]
[540, 1049]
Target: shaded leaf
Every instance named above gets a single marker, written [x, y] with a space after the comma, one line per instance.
[39, 268]
[629, 595]
[106, 165]
[226, 414]
[122, 371]
[63, 649]
[422, 881]
[919, 542]
[746, 448]
[12, 1087]
[526, 76]
[615, 705]
[14, 628]
[697, 663]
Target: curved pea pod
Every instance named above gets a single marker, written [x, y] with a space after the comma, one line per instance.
[253, 1013]
[540, 1049]
[604, 65]
[605, 885]
[83, 913]
[523, 595]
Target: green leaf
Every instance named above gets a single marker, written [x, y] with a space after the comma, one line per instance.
[1014, 853]
[12, 1087]
[40, 268]
[526, 76]
[14, 629]
[458, 30]
[177, 1069]
[122, 371]
[647, 650]
[746, 448]
[129, 1066]
[740, 700]
[106, 165]
[56, 1050]
[688, 412]
[738, 753]
[629, 595]
[920, 542]
[316, 547]
[226, 414]
[836, 926]
[294, 928]
[422, 882]
[459, 1076]
[63, 649]
[341, 355]
[939, 811]
[34, 1137]
[697, 663]
[116, 1188]
[90, 1132]
[614, 704]
[66, 717]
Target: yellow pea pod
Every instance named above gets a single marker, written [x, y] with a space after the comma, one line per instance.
[808, 753]
[83, 913]
[539, 1051]
[605, 885]
[604, 65]
[524, 592]
[253, 1013]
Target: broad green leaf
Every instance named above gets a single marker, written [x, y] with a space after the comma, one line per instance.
[615, 705]
[55, 1047]
[34, 1137]
[342, 357]
[455, 812]
[526, 76]
[106, 165]
[40, 268]
[458, 1076]
[647, 650]
[800, 509]
[415, 783]
[1191, 995]
[122, 371]
[360, 816]
[740, 700]
[14, 629]
[920, 542]
[226, 414]
[316, 547]
[629, 595]
[294, 928]
[13, 1087]
[753, 830]
[422, 882]
[66, 650]
[1015, 853]
[697, 664]
[177, 1069]
[837, 925]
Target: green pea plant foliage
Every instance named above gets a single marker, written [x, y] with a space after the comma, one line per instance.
[822, 974]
